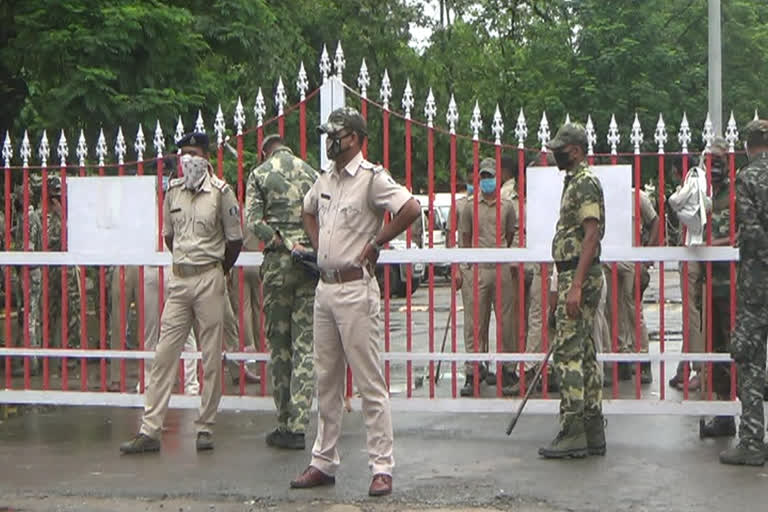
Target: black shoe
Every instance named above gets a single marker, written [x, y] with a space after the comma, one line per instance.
[646, 376]
[490, 378]
[204, 441]
[719, 426]
[286, 440]
[140, 444]
[625, 371]
[469, 386]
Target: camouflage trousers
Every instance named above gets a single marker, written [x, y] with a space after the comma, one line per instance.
[748, 349]
[55, 309]
[575, 356]
[35, 305]
[289, 296]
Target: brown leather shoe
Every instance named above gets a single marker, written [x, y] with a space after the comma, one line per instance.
[381, 485]
[250, 377]
[312, 477]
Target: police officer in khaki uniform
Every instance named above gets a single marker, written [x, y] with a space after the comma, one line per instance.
[486, 275]
[343, 216]
[201, 226]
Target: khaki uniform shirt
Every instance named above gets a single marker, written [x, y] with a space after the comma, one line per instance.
[486, 221]
[201, 222]
[349, 204]
[647, 216]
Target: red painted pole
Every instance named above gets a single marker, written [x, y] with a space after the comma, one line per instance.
[431, 242]
[662, 301]
[498, 306]
[387, 277]
[454, 267]
[45, 281]
[408, 267]
[475, 267]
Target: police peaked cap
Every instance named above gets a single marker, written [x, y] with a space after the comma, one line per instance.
[195, 139]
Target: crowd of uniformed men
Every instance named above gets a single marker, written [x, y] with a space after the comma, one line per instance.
[321, 235]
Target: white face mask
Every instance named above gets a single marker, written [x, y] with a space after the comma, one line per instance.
[194, 168]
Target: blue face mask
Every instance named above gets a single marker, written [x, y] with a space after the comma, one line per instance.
[488, 185]
[166, 179]
[470, 189]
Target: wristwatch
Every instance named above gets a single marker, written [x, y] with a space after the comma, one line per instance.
[372, 243]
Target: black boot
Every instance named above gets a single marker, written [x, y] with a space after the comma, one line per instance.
[469, 386]
[677, 380]
[719, 426]
[625, 371]
[646, 376]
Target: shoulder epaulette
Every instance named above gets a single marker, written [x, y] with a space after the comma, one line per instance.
[175, 182]
[219, 183]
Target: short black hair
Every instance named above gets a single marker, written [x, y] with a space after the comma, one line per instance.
[271, 141]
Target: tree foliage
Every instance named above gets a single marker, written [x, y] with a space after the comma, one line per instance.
[89, 64]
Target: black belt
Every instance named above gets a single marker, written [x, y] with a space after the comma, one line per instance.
[568, 265]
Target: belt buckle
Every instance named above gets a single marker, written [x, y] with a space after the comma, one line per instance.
[331, 276]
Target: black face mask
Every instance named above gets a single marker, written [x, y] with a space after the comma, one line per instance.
[334, 150]
[563, 160]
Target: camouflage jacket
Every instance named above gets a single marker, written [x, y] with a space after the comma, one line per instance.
[35, 231]
[582, 199]
[54, 232]
[274, 197]
[721, 228]
[752, 225]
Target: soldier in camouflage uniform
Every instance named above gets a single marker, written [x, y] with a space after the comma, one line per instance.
[720, 426]
[55, 243]
[748, 345]
[34, 228]
[576, 251]
[273, 208]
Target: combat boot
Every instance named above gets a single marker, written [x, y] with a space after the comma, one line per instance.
[512, 382]
[469, 386]
[204, 441]
[570, 442]
[646, 376]
[140, 444]
[743, 455]
[594, 428]
[719, 426]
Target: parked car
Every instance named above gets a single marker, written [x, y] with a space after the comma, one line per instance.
[439, 230]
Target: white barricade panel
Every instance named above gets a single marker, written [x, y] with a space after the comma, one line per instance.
[114, 214]
[544, 186]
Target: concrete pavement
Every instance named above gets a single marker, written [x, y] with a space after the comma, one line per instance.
[68, 459]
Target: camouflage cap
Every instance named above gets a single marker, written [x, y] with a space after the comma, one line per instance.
[488, 166]
[345, 117]
[570, 133]
[756, 126]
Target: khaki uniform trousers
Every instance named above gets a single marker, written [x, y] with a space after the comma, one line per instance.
[151, 320]
[626, 308]
[152, 327]
[534, 343]
[347, 328]
[486, 296]
[193, 302]
[696, 321]
[251, 304]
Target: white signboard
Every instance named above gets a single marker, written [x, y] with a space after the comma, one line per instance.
[113, 215]
[331, 98]
[543, 190]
